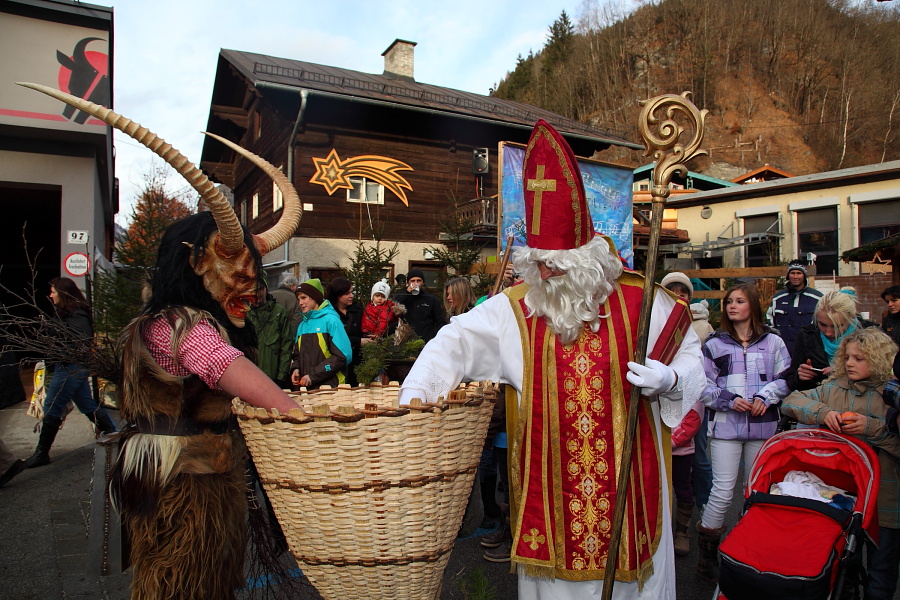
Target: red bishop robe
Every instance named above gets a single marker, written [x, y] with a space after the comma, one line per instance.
[567, 447]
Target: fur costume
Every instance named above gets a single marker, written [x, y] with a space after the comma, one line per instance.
[180, 480]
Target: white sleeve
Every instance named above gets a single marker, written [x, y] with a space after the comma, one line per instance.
[482, 344]
[687, 364]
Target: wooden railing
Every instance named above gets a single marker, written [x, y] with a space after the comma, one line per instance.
[765, 279]
[482, 212]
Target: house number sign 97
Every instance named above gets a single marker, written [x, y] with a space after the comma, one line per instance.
[77, 236]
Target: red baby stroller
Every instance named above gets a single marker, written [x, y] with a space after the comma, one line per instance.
[787, 547]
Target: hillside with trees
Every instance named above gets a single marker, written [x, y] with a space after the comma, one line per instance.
[803, 85]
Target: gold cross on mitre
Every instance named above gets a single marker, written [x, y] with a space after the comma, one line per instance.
[539, 186]
[535, 539]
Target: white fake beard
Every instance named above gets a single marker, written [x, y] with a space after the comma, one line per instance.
[570, 301]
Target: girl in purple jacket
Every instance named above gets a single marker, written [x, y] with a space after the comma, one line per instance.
[743, 361]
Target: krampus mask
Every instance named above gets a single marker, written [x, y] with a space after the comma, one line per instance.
[225, 264]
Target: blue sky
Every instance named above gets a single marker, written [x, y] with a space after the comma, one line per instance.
[166, 52]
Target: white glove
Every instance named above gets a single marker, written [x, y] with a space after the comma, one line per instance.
[653, 377]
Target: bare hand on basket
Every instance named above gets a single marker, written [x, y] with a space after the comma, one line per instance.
[244, 379]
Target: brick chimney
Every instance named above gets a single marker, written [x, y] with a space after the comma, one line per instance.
[399, 60]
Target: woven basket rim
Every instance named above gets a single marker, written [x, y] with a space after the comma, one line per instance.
[463, 396]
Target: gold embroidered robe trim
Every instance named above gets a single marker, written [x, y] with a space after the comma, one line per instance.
[563, 495]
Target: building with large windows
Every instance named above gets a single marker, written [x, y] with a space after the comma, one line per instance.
[811, 218]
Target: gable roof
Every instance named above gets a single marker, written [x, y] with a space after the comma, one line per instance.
[765, 173]
[272, 71]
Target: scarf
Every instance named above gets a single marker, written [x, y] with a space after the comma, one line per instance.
[832, 346]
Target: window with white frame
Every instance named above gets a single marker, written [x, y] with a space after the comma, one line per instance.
[244, 212]
[255, 206]
[277, 198]
[817, 234]
[878, 220]
[365, 191]
[763, 250]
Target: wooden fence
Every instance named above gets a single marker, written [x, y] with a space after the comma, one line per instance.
[765, 280]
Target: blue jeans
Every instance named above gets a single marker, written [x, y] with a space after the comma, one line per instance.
[702, 473]
[69, 382]
[882, 565]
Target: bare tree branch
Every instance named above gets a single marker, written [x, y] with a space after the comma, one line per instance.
[28, 329]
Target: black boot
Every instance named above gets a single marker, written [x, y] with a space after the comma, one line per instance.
[683, 528]
[41, 456]
[101, 419]
[708, 566]
[499, 542]
[502, 533]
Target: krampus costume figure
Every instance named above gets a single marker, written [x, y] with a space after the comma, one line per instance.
[180, 482]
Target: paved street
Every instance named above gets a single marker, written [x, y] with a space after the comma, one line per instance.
[44, 545]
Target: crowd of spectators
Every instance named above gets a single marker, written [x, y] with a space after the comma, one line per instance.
[814, 363]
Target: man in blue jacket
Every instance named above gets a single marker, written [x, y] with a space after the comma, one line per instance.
[794, 306]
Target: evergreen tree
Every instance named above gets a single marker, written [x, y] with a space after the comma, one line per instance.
[559, 44]
[460, 253]
[518, 84]
[368, 265]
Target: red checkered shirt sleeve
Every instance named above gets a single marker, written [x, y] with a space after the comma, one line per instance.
[203, 351]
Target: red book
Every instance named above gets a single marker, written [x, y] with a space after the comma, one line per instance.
[672, 333]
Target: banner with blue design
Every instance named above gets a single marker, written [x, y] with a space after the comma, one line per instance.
[608, 189]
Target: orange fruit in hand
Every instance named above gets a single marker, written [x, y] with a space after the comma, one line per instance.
[848, 417]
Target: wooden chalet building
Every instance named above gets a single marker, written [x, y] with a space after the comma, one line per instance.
[365, 152]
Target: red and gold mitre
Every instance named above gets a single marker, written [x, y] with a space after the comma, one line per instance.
[556, 211]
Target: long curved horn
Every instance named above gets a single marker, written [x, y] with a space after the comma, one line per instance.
[231, 236]
[290, 217]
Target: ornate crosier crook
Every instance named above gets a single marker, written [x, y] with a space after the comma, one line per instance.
[669, 132]
[671, 156]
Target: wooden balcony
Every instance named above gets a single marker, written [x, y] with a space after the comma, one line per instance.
[482, 213]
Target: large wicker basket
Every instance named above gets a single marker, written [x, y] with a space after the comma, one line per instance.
[370, 496]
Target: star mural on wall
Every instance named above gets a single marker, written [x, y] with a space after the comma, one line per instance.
[333, 174]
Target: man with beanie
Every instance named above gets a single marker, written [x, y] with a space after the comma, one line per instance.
[286, 295]
[563, 341]
[424, 311]
[322, 350]
[794, 306]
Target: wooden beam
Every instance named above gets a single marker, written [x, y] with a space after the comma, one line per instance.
[744, 272]
[223, 172]
[709, 294]
[233, 114]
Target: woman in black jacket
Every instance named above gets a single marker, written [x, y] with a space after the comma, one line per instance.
[340, 295]
[834, 318]
[70, 381]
